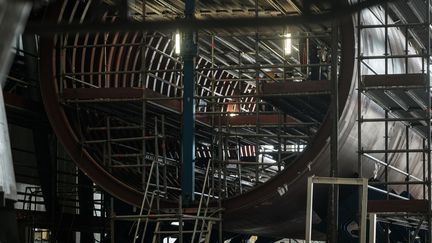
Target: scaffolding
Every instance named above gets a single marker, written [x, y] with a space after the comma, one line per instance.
[240, 154]
[126, 117]
[194, 222]
[283, 138]
[396, 78]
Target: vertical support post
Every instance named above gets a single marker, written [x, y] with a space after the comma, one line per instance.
[406, 49]
[109, 158]
[359, 96]
[386, 159]
[386, 155]
[363, 211]
[279, 160]
[62, 63]
[164, 154]
[180, 235]
[284, 131]
[407, 158]
[220, 233]
[157, 157]
[424, 177]
[307, 58]
[386, 36]
[225, 159]
[112, 221]
[220, 158]
[239, 169]
[105, 60]
[239, 105]
[372, 227]
[188, 128]
[309, 202]
[108, 142]
[142, 82]
[213, 109]
[257, 100]
[143, 134]
[334, 153]
[428, 116]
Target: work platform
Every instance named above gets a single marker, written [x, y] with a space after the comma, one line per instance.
[404, 96]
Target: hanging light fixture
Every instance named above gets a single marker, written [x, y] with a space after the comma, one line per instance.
[287, 44]
[177, 43]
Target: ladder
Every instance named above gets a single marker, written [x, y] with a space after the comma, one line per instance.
[202, 218]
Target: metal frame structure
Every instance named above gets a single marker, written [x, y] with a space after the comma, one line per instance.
[212, 96]
[362, 182]
[387, 88]
[81, 92]
[231, 76]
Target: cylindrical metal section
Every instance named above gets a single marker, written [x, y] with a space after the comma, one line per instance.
[13, 15]
[277, 207]
[7, 174]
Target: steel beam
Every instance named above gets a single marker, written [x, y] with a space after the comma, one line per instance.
[192, 24]
[389, 80]
[174, 105]
[395, 206]
[296, 88]
[188, 118]
[262, 119]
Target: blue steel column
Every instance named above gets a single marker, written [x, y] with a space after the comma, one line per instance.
[188, 129]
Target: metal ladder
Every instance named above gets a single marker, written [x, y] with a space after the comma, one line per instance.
[203, 220]
[149, 202]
